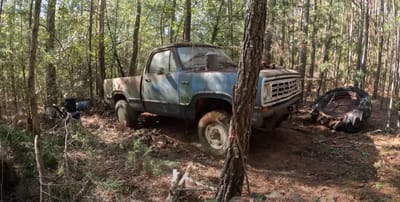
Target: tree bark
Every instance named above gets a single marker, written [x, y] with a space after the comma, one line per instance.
[381, 39]
[216, 25]
[365, 51]
[51, 82]
[135, 41]
[114, 50]
[1, 11]
[313, 50]
[359, 44]
[188, 20]
[270, 30]
[325, 59]
[172, 23]
[303, 50]
[101, 67]
[244, 94]
[90, 50]
[33, 116]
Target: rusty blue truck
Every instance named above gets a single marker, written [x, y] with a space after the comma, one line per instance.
[195, 82]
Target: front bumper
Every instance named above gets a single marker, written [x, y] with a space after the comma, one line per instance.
[262, 115]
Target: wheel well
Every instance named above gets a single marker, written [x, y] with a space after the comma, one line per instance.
[205, 105]
[117, 97]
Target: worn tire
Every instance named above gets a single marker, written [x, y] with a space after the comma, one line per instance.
[125, 114]
[213, 132]
[345, 109]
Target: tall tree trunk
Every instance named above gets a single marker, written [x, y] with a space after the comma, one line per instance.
[1, 11]
[216, 25]
[325, 59]
[172, 23]
[230, 21]
[33, 116]
[349, 45]
[243, 100]
[313, 50]
[381, 39]
[114, 49]
[162, 26]
[135, 41]
[283, 38]
[188, 20]
[51, 84]
[90, 49]
[303, 51]
[365, 51]
[359, 44]
[102, 66]
[270, 30]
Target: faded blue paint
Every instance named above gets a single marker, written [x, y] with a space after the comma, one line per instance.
[172, 92]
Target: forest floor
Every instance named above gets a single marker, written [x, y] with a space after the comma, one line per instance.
[299, 161]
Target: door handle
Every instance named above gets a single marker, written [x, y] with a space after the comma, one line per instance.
[147, 79]
[185, 82]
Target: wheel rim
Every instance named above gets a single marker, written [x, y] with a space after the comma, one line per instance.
[216, 135]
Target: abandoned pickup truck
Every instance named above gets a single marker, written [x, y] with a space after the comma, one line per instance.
[195, 82]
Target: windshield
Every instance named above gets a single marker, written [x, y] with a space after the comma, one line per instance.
[198, 57]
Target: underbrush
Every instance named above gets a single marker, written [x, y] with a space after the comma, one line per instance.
[83, 169]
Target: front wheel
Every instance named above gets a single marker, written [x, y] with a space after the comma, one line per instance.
[213, 131]
[125, 114]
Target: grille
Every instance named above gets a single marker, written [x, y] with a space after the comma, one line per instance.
[279, 90]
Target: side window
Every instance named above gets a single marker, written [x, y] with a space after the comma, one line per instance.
[162, 62]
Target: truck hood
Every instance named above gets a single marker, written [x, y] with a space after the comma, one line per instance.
[271, 73]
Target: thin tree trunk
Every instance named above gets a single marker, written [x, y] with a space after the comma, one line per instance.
[283, 27]
[1, 12]
[270, 29]
[216, 25]
[51, 84]
[349, 45]
[381, 39]
[359, 44]
[365, 51]
[114, 49]
[90, 54]
[135, 41]
[33, 116]
[244, 94]
[101, 56]
[188, 20]
[337, 76]
[313, 50]
[303, 50]
[327, 44]
[384, 84]
[161, 27]
[171, 23]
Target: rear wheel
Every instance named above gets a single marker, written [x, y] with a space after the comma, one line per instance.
[125, 114]
[213, 131]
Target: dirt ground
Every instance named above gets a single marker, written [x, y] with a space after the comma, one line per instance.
[297, 162]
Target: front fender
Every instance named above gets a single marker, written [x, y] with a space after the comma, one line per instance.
[217, 96]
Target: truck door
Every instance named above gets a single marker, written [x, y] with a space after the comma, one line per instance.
[159, 85]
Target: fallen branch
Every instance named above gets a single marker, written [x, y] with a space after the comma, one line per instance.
[39, 166]
[177, 183]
